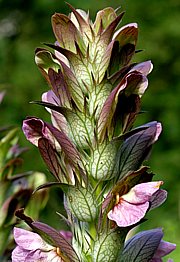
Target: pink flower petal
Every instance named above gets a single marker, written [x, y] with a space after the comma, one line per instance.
[58, 120]
[34, 128]
[29, 241]
[126, 214]
[31, 247]
[19, 254]
[37, 255]
[60, 56]
[142, 193]
[50, 97]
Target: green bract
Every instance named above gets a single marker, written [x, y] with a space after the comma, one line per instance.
[82, 204]
[108, 246]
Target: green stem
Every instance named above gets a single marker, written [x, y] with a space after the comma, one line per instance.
[92, 230]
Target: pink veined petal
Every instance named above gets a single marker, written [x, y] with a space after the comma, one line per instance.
[19, 254]
[58, 120]
[60, 56]
[29, 240]
[37, 255]
[126, 214]
[31, 134]
[142, 193]
[50, 97]
[22, 255]
[34, 129]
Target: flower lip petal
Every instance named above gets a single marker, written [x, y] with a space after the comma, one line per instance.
[142, 192]
[31, 247]
[33, 129]
[133, 206]
[29, 240]
[50, 97]
[19, 254]
[126, 214]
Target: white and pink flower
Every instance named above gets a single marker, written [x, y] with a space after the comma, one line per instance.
[31, 247]
[130, 208]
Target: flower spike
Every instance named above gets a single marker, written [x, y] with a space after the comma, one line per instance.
[92, 147]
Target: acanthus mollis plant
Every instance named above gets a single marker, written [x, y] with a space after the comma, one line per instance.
[91, 147]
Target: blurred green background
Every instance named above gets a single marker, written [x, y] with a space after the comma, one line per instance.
[25, 25]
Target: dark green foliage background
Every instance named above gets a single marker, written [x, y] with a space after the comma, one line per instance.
[25, 25]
